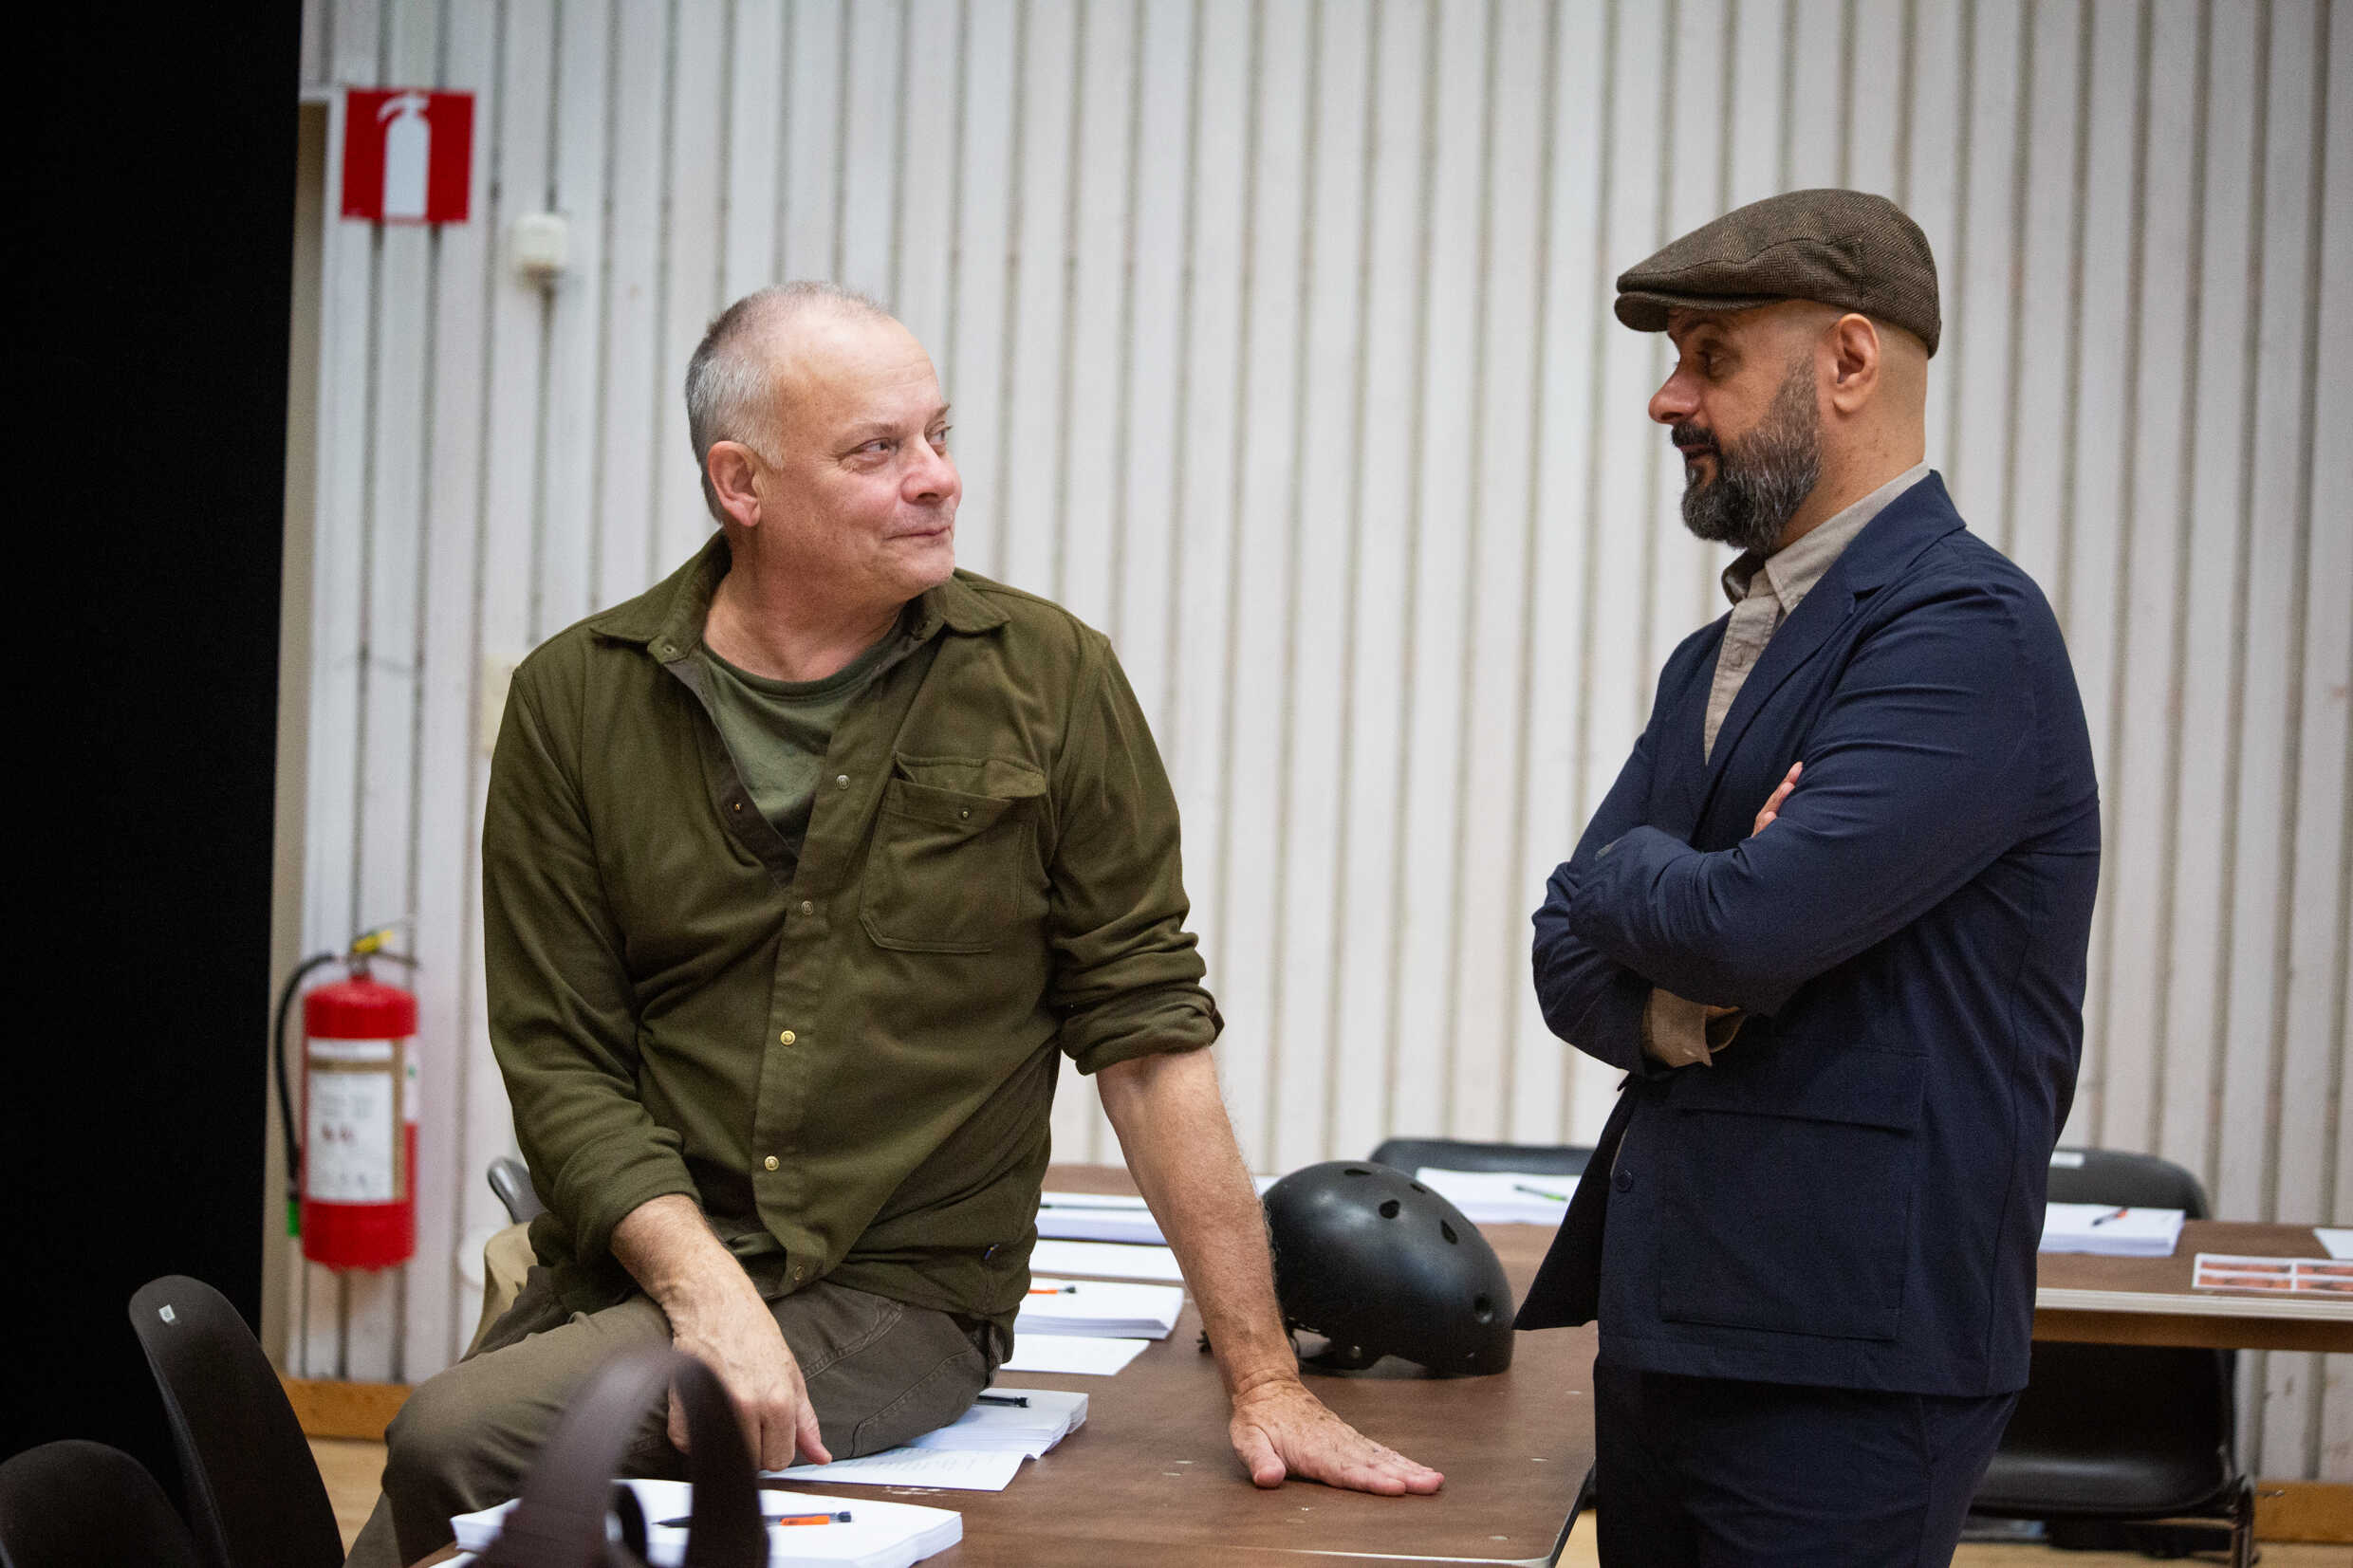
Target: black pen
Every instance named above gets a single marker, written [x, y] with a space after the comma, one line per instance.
[1021, 1399]
[2112, 1215]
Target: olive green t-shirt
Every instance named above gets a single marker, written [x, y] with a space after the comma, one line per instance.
[777, 730]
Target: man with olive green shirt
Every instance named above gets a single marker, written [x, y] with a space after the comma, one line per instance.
[799, 872]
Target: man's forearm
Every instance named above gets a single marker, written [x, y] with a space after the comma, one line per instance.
[669, 1250]
[1180, 1147]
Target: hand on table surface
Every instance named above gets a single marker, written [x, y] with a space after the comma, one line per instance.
[1281, 1429]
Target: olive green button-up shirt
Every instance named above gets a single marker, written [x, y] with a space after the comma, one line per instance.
[848, 1059]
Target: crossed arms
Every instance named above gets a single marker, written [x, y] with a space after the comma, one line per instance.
[1913, 782]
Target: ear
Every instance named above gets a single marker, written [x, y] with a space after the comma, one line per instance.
[1854, 345]
[731, 471]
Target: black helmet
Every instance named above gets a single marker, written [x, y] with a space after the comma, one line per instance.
[1380, 1265]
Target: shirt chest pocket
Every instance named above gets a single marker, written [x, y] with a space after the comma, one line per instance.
[952, 869]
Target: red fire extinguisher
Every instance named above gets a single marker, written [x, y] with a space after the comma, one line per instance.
[351, 1171]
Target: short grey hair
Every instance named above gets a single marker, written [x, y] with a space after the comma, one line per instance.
[728, 381]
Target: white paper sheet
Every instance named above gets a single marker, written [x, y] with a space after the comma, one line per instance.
[2337, 1243]
[1502, 1197]
[1105, 1258]
[1074, 1352]
[959, 1470]
[877, 1535]
[1097, 1217]
[1099, 1308]
[2115, 1232]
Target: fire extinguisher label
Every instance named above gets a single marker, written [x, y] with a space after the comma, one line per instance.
[352, 1123]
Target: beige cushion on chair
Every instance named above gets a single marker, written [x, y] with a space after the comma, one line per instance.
[506, 1257]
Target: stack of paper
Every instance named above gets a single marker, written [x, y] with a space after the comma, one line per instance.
[1089, 1217]
[876, 1534]
[1111, 1260]
[1501, 1197]
[1023, 1421]
[956, 1470]
[1072, 1352]
[2111, 1231]
[1100, 1307]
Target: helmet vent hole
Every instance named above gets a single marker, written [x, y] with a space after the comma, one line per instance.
[1389, 1209]
[1356, 1170]
[1483, 1309]
[1448, 1232]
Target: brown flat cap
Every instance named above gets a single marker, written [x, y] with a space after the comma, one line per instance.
[1844, 248]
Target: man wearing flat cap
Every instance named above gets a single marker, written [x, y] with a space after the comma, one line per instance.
[1831, 921]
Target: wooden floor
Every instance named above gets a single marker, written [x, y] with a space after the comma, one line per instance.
[352, 1470]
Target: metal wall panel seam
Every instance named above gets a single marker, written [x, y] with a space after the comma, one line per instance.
[2114, 794]
[1531, 518]
[1580, 800]
[1007, 317]
[1180, 404]
[1350, 576]
[1304, 273]
[1400, 880]
[1450, 979]
[1955, 344]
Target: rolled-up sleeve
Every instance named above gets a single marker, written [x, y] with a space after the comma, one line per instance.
[1127, 974]
[562, 1014]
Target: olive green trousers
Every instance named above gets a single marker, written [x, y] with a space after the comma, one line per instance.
[879, 1373]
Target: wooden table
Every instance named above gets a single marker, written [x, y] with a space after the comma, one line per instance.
[1151, 1480]
[2149, 1301]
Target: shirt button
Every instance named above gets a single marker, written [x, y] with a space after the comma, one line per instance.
[1626, 1181]
[769, 1162]
[799, 1270]
[840, 780]
[737, 806]
[807, 908]
[788, 1037]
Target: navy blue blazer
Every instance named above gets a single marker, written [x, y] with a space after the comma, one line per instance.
[1852, 1193]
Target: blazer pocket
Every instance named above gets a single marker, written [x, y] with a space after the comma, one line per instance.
[945, 871]
[1789, 1192]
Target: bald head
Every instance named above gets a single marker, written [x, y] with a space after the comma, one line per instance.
[733, 382]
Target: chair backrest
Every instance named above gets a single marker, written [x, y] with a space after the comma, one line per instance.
[76, 1505]
[2118, 1431]
[254, 1496]
[511, 1180]
[1553, 1159]
[2116, 1176]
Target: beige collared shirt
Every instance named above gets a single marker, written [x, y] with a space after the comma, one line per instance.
[1765, 591]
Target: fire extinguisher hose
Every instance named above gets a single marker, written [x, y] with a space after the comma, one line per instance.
[286, 1099]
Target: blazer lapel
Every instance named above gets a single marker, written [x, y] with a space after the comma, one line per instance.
[1911, 522]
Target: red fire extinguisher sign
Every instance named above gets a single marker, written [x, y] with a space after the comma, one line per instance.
[408, 155]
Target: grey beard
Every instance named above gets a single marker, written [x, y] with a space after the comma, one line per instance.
[1763, 479]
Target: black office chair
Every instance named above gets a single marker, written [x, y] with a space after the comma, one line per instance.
[2106, 1435]
[1551, 1159]
[511, 1180]
[76, 1505]
[254, 1497]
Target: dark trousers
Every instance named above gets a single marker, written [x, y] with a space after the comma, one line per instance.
[1714, 1472]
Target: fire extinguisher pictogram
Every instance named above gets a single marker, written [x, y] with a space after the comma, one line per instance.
[351, 1145]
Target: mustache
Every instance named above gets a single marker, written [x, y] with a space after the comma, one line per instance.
[1692, 441]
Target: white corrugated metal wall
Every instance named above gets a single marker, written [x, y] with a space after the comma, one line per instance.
[1280, 338]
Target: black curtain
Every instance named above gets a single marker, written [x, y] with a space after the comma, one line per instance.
[149, 273]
